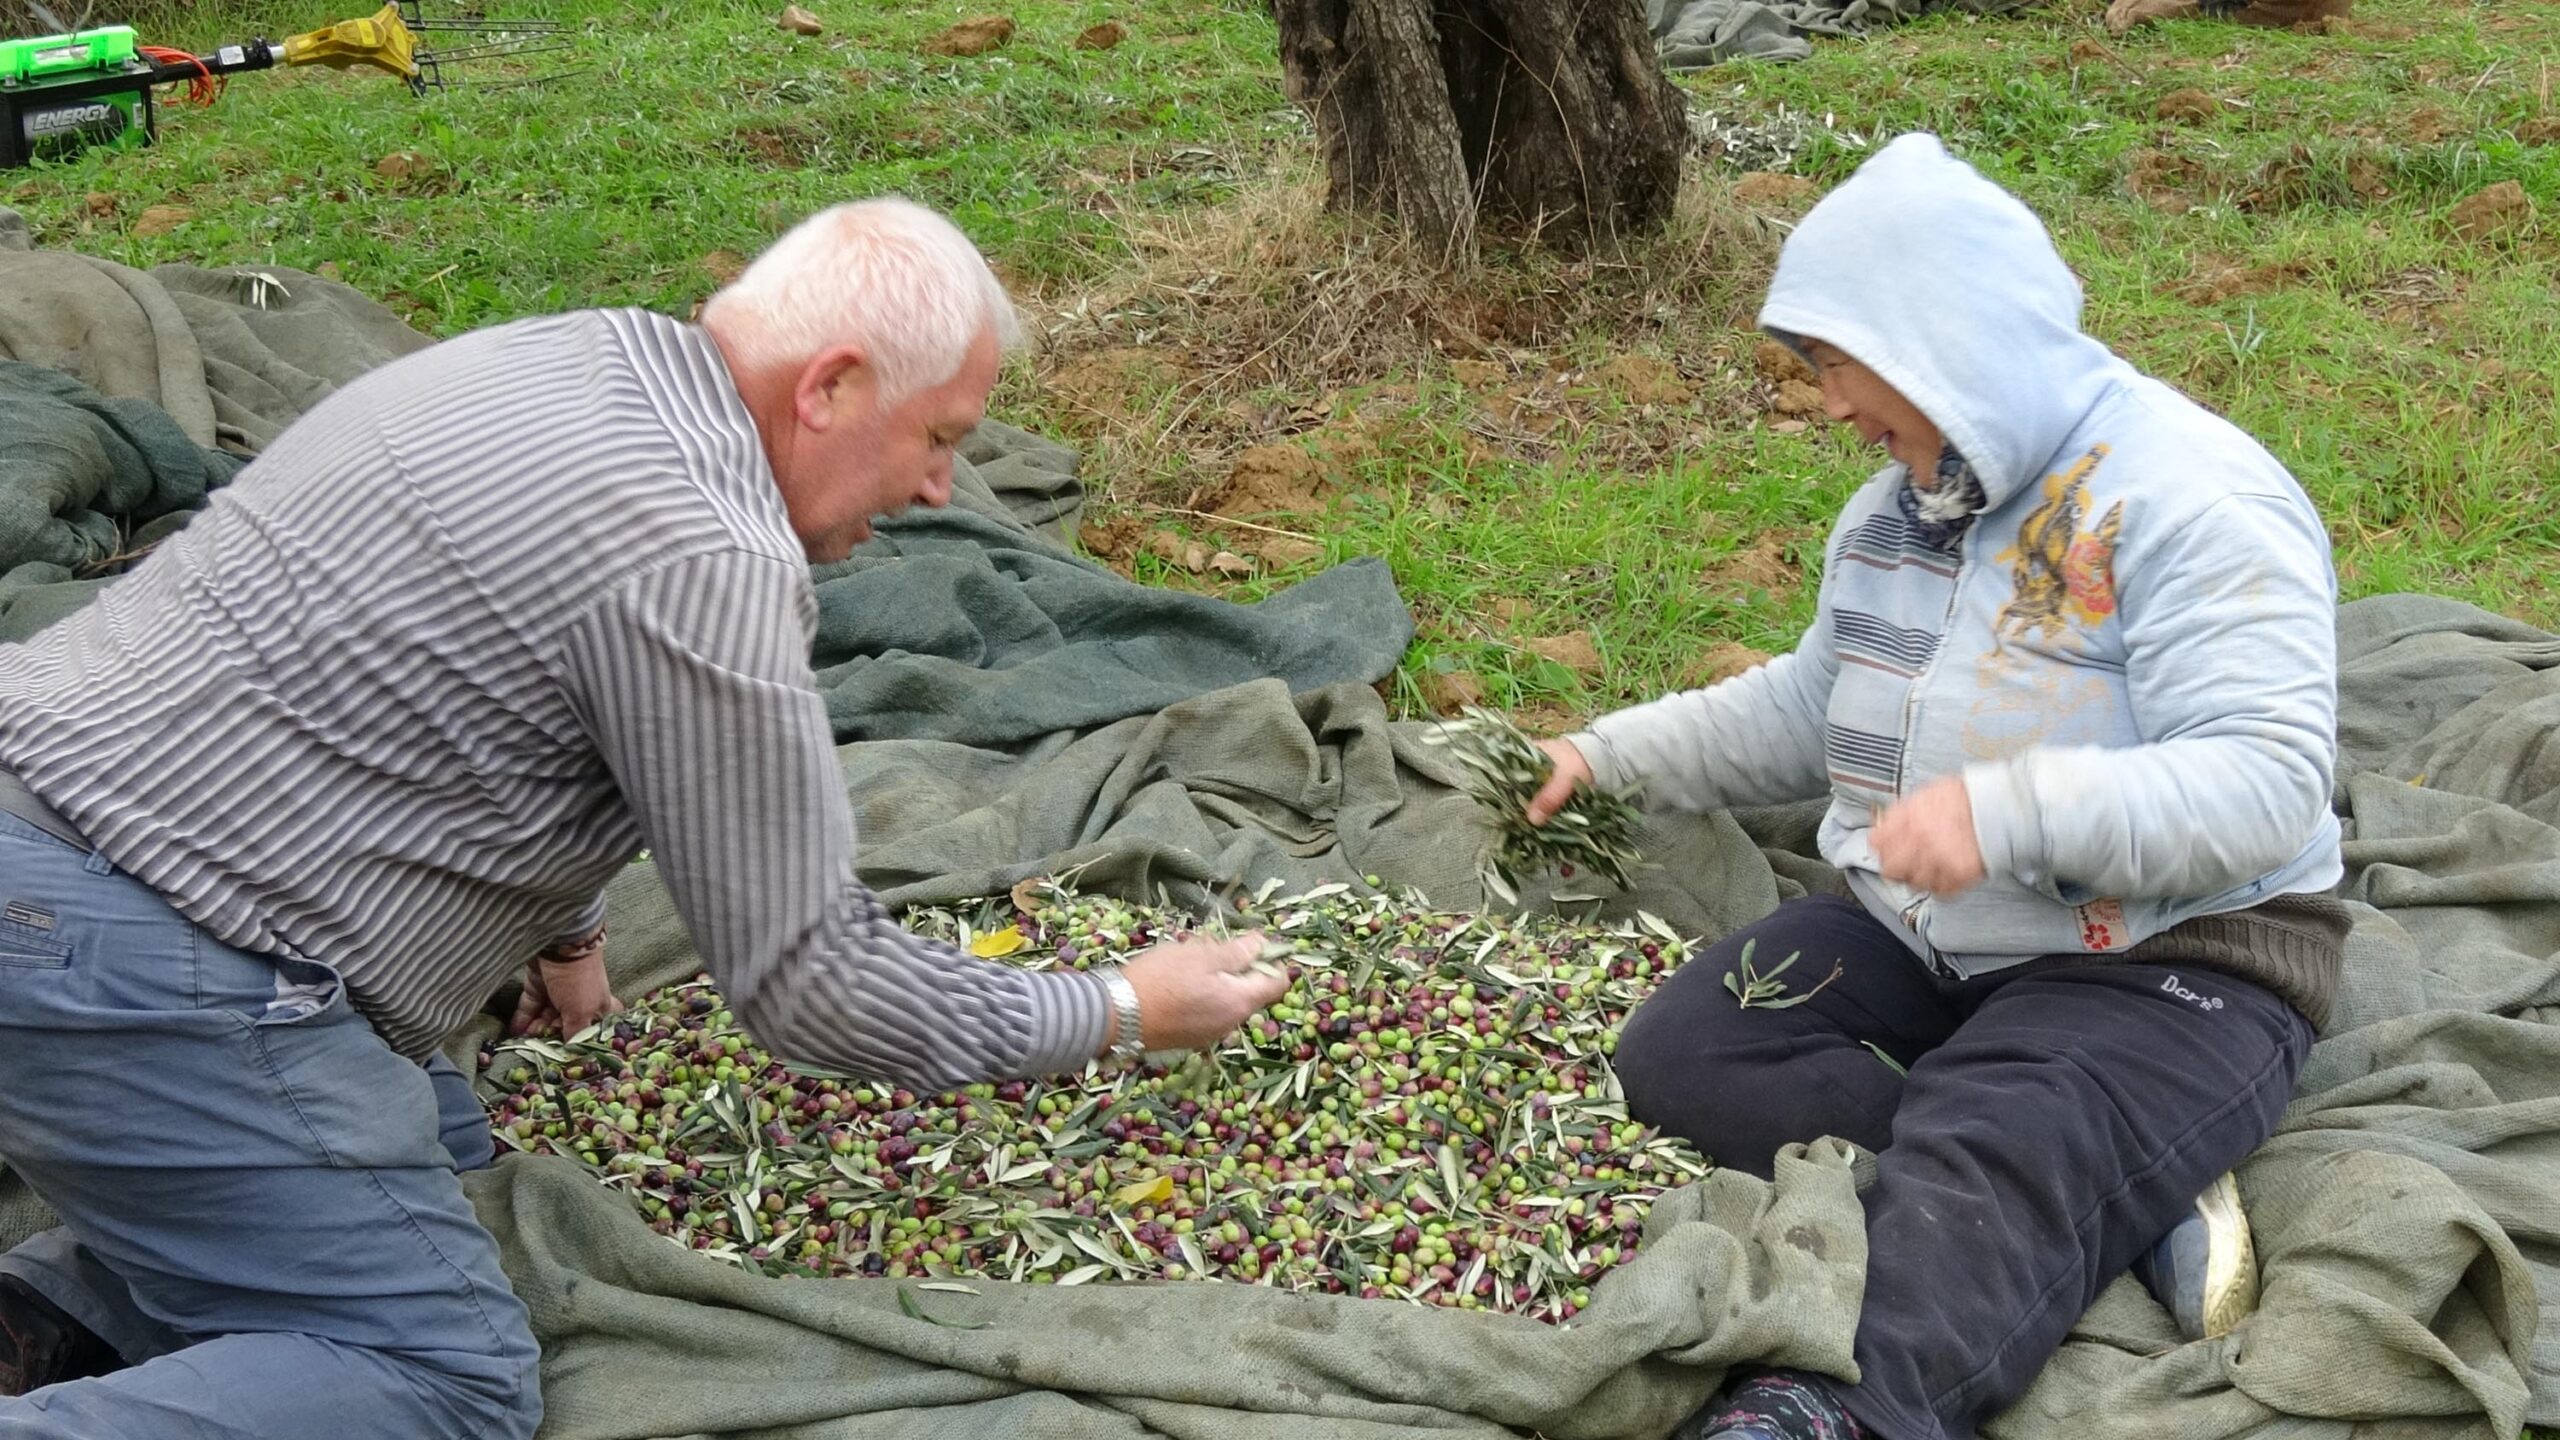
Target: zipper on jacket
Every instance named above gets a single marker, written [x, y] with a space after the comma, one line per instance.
[1946, 627]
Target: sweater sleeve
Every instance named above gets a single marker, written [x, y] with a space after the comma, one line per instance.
[695, 681]
[1753, 739]
[2231, 643]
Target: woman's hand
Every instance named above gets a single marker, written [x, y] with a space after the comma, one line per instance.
[1926, 839]
[1571, 771]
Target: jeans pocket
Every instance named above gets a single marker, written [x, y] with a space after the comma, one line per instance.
[304, 989]
[265, 989]
[27, 938]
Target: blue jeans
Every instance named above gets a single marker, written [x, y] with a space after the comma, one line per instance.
[263, 1211]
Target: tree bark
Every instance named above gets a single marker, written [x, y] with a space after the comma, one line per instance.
[1543, 117]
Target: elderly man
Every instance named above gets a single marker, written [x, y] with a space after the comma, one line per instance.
[286, 804]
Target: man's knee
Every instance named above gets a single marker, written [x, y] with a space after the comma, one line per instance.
[491, 1395]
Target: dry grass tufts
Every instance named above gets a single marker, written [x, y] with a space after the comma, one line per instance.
[1251, 321]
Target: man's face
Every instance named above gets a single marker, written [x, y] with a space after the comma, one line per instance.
[850, 460]
[1855, 395]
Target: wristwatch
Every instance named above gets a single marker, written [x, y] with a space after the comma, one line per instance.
[1127, 1040]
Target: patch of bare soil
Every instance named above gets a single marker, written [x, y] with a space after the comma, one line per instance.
[1760, 565]
[1575, 650]
[1720, 661]
[1107, 386]
[1268, 480]
[2189, 106]
[2500, 210]
[2217, 280]
[2170, 184]
[972, 37]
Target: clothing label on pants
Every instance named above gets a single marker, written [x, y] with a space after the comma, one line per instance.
[2101, 924]
[20, 913]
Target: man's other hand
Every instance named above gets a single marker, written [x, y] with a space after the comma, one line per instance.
[565, 989]
[1194, 993]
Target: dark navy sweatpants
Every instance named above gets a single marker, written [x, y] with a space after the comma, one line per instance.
[2056, 1120]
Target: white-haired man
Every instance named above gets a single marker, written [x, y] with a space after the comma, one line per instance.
[282, 807]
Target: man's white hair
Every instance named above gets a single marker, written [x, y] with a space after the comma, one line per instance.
[888, 275]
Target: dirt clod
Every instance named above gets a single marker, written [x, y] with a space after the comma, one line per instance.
[1644, 380]
[799, 21]
[2501, 209]
[1272, 480]
[1575, 650]
[2187, 107]
[972, 37]
[160, 220]
[1103, 36]
[1111, 384]
[1175, 550]
[2170, 184]
[1776, 193]
[1776, 362]
[1722, 661]
[1760, 565]
[2217, 281]
[1797, 399]
[1449, 691]
[1282, 552]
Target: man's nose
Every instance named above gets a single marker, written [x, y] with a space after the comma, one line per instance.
[937, 486]
[1836, 405]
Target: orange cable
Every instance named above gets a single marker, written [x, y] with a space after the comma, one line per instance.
[204, 89]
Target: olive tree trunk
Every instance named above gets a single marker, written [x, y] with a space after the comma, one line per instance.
[1549, 118]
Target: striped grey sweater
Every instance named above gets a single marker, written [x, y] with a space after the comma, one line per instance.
[479, 627]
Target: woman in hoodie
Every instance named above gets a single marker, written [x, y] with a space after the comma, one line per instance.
[2071, 693]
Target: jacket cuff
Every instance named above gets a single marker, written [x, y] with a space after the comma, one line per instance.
[587, 923]
[1608, 772]
[1070, 1014]
[2006, 826]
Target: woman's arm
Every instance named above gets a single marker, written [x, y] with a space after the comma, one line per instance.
[2230, 629]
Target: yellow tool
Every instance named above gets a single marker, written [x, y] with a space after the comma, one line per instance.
[382, 40]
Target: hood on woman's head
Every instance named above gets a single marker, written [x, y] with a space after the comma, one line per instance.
[1948, 288]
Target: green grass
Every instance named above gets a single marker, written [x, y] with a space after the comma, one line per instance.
[2282, 251]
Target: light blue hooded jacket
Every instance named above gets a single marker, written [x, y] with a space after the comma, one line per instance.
[2129, 655]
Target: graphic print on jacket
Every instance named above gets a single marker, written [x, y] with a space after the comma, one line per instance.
[2062, 574]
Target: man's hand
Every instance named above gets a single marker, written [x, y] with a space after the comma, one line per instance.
[1194, 994]
[565, 988]
[1571, 771]
[1926, 839]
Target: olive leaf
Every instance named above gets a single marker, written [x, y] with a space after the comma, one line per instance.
[1594, 831]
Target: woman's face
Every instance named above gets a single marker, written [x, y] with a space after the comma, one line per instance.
[1855, 395]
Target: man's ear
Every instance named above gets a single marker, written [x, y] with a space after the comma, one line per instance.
[831, 383]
